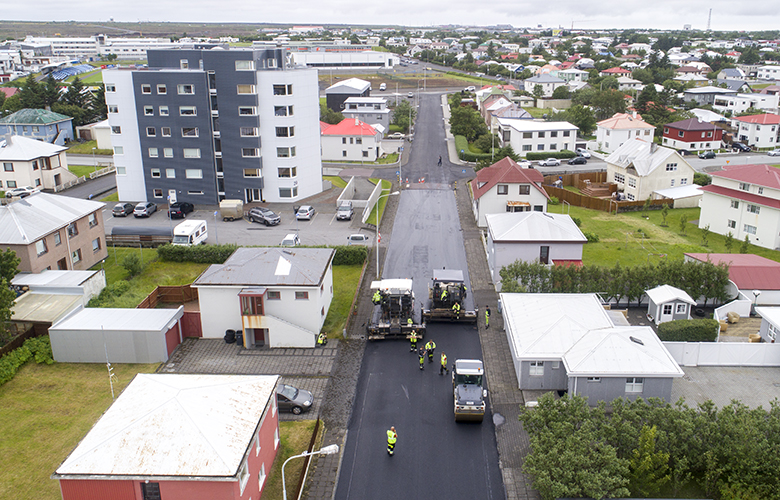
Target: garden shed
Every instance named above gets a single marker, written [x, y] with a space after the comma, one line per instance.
[122, 335]
[667, 303]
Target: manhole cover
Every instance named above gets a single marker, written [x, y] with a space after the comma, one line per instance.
[498, 419]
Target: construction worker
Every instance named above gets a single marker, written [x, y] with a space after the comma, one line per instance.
[430, 346]
[322, 339]
[456, 310]
[377, 298]
[444, 295]
[443, 367]
[392, 437]
[409, 322]
[421, 354]
[487, 317]
[413, 338]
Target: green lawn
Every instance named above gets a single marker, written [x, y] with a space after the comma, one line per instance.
[386, 186]
[294, 437]
[44, 412]
[85, 148]
[88, 78]
[81, 170]
[346, 279]
[621, 241]
[111, 197]
[336, 181]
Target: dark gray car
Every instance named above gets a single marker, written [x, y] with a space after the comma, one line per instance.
[264, 216]
[293, 399]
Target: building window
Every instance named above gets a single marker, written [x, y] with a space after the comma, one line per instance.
[57, 239]
[250, 152]
[553, 133]
[151, 132]
[110, 87]
[193, 173]
[245, 65]
[750, 229]
[683, 181]
[734, 204]
[285, 152]
[566, 133]
[760, 190]
[540, 147]
[634, 384]
[153, 153]
[261, 476]
[73, 229]
[283, 110]
[671, 167]
[121, 170]
[620, 178]
[10, 184]
[365, 154]
[185, 89]
[680, 308]
[247, 110]
[680, 134]
[162, 89]
[146, 88]
[525, 189]
[359, 140]
[672, 183]
[731, 223]
[148, 110]
[8, 167]
[96, 244]
[188, 111]
[243, 476]
[195, 192]
[753, 209]
[248, 131]
[92, 220]
[502, 189]
[274, 295]
[76, 255]
[189, 132]
[526, 147]
[744, 186]
[667, 309]
[192, 152]
[155, 172]
[168, 152]
[170, 173]
[631, 197]
[632, 182]
[150, 491]
[282, 89]
[245, 88]
[285, 172]
[288, 192]
[540, 135]
[285, 131]
[251, 172]
[536, 368]
[113, 108]
[116, 129]
[301, 295]
[157, 193]
[163, 110]
[166, 131]
[594, 380]
[40, 247]
[184, 64]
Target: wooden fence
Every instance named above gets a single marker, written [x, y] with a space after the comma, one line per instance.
[22, 332]
[169, 295]
[603, 204]
[575, 179]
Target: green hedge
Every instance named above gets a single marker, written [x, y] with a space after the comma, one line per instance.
[349, 255]
[462, 144]
[689, 330]
[201, 254]
[561, 155]
[38, 348]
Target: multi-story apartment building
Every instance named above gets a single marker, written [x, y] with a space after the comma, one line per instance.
[204, 125]
[372, 110]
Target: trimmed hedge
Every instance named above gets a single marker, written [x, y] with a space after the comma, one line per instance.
[561, 155]
[38, 348]
[201, 254]
[689, 330]
[349, 255]
[462, 144]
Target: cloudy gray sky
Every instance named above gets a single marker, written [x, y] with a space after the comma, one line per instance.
[659, 14]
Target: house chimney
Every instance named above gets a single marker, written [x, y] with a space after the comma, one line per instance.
[357, 122]
[653, 147]
[634, 114]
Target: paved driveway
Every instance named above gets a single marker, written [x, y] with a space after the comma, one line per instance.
[753, 386]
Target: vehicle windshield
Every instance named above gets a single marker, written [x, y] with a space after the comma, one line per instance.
[468, 379]
[288, 391]
[180, 238]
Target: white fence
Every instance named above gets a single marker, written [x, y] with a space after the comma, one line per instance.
[739, 306]
[371, 202]
[724, 353]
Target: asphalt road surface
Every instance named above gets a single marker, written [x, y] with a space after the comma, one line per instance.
[435, 457]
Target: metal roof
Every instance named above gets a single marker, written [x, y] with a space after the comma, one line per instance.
[43, 307]
[51, 277]
[24, 221]
[448, 275]
[18, 148]
[746, 271]
[666, 293]
[680, 192]
[348, 86]
[29, 116]
[533, 226]
[644, 156]
[176, 426]
[126, 320]
[270, 266]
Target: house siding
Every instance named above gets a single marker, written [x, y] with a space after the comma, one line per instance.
[610, 388]
[553, 379]
[501, 254]
[493, 203]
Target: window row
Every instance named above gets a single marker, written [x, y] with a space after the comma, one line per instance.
[167, 152]
[42, 248]
[541, 135]
[365, 154]
[14, 184]
[189, 173]
[352, 140]
[158, 193]
[162, 89]
[540, 147]
[524, 189]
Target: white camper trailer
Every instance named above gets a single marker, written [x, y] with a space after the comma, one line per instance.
[190, 232]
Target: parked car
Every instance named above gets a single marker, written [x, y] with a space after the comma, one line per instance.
[291, 240]
[549, 162]
[578, 160]
[305, 212]
[358, 239]
[741, 147]
[344, 212]
[525, 164]
[383, 86]
[395, 135]
[774, 152]
[470, 88]
[21, 192]
[707, 155]
[180, 209]
[264, 215]
[410, 95]
[144, 209]
[293, 399]
[122, 209]
[582, 152]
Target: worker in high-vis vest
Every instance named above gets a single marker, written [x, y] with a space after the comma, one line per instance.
[377, 298]
[444, 295]
[422, 358]
[392, 437]
[487, 317]
[413, 338]
[409, 322]
[443, 367]
[322, 339]
[456, 310]
[430, 346]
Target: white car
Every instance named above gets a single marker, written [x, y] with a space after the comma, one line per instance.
[525, 164]
[774, 152]
[21, 192]
[383, 86]
[358, 239]
[395, 135]
[306, 212]
[550, 162]
[291, 240]
[582, 152]
[470, 88]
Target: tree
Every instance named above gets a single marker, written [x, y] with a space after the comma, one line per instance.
[749, 56]
[50, 92]
[729, 243]
[577, 115]
[561, 92]
[683, 223]
[80, 115]
[647, 95]
[608, 102]
[705, 235]
[132, 263]
[98, 103]
[538, 91]
[745, 246]
[76, 95]
[30, 94]
[665, 214]
[646, 206]
[467, 122]
[9, 267]
[403, 115]
[649, 468]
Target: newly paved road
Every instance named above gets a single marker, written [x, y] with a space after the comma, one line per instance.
[435, 457]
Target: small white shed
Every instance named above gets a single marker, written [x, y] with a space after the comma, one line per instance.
[667, 303]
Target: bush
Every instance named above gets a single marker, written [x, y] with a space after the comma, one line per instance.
[37, 348]
[132, 263]
[554, 201]
[561, 155]
[115, 289]
[689, 330]
[462, 144]
[200, 254]
[592, 237]
[577, 221]
[350, 255]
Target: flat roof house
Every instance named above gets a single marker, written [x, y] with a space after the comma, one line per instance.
[527, 136]
[174, 437]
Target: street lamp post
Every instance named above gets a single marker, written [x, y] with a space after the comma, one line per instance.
[377, 228]
[93, 158]
[327, 450]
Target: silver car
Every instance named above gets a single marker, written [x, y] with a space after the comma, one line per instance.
[144, 209]
[306, 212]
[293, 399]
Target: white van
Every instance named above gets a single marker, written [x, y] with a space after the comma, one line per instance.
[190, 232]
[382, 86]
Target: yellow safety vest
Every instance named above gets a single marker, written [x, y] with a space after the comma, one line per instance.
[391, 437]
[444, 359]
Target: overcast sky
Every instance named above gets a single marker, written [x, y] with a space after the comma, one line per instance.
[659, 14]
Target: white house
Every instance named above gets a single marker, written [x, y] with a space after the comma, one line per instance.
[627, 83]
[547, 82]
[771, 72]
[29, 162]
[532, 237]
[613, 132]
[351, 140]
[744, 200]
[371, 110]
[639, 168]
[507, 187]
[742, 102]
[573, 75]
[759, 131]
[527, 136]
[668, 303]
[279, 297]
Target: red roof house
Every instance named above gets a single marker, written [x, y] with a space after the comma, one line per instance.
[616, 71]
[351, 140]
[747, 272]
[504, 187]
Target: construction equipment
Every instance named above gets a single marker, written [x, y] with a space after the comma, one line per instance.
[468, 377]
[393, 309]
[447, 288]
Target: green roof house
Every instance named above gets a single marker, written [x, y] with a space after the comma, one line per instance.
[46, 126]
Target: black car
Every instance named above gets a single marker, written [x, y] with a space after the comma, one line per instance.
[180, 209]
[578, 160]
[707, 155]
[741, 147]
[264, 215]
[122, 209]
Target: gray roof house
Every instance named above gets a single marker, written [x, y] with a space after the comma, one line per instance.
[548, 83]
[706, 95]
[667, 303]
[336, 94]
[279, 297]
[570, 342]
[40, 124]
